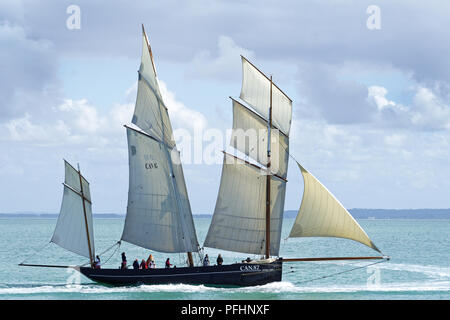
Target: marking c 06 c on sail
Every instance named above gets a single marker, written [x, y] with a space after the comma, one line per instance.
[151, 165]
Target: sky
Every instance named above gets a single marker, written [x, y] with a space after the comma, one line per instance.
[369, 80]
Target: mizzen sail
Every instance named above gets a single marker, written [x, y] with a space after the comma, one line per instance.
[322, 215]
[74, 229]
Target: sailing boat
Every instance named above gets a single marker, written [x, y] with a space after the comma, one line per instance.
[248, 214]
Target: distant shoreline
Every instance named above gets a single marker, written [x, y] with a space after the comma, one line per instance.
[369, 214]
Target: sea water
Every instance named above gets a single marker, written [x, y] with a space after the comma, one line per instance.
[419, 267]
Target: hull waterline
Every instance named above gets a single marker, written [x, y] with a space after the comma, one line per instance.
[238, 274]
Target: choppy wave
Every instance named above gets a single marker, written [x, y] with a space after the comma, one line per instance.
[94, 289]
[287, 287]
[432, 271]
[272, 288]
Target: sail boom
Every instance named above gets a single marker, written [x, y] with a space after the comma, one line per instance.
[333, 259]
[45, 266]
[256, 166]
[149, 136]
[78, 193]
[72, 167]
[256, 114]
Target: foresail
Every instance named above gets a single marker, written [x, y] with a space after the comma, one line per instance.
[158, 212]
[239, 221]
[322, 215]
[70, 231]
[250, 134]
[256, 92]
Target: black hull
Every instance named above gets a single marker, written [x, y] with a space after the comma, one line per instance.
[239, 274]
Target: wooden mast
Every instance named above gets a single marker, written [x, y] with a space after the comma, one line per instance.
[268, 176]
[91, 258]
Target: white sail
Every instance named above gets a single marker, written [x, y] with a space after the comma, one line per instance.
[239, 220]
[250, 135]
[158, 212]
[322, 215]
[70, 231]
[147, 68]
[150, 113]
[256, 92]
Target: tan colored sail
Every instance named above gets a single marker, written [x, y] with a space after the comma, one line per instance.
[239, 220]
[256, 92]
[322, 215]
[249, 135]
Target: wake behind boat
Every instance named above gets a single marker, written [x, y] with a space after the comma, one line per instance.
[249, 210]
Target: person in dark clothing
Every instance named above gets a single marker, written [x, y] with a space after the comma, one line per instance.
[124, 261]
[97, 263]
[219, 260]
[143, 265]
[136, 264]
[168, 264]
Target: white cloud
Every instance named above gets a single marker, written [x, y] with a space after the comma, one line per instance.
[378, 94]
[23, 129]
[394, 139]
[426, 112]
[224, 65]
[73, 123]
[358, 139]
[28, 71]
[181, 116]
[429, 111]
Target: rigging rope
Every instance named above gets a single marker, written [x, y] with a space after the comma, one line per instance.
[338, 273]
[118, 243]
[38, 250]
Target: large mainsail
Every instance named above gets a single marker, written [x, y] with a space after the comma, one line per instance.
[159, 215]
[74, 228]
[322, 215]
[250, 203]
